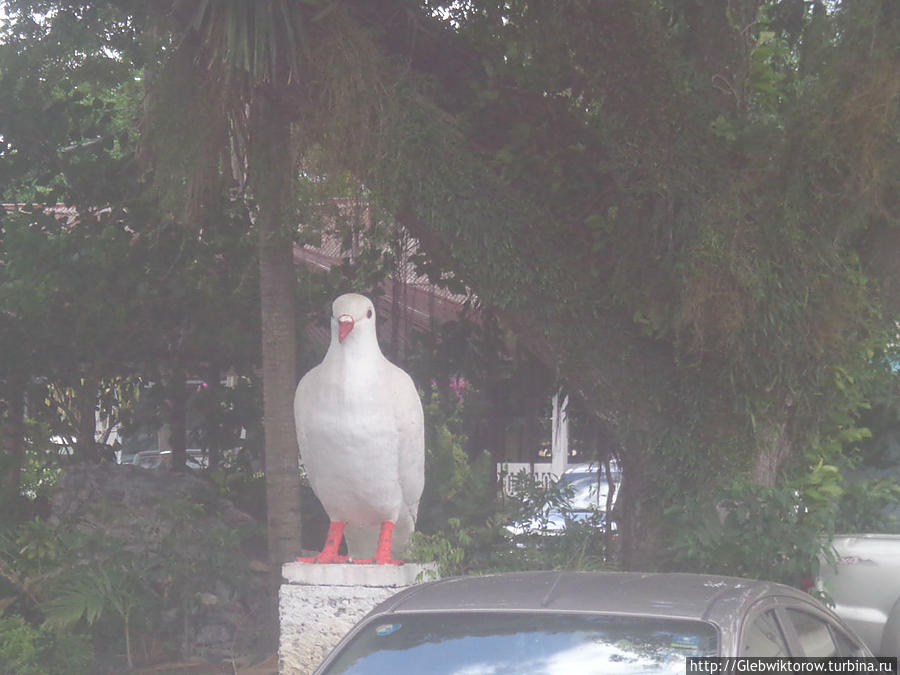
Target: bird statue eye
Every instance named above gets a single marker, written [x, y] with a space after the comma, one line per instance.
[369, 313]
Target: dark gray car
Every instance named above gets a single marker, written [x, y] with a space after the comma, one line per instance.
[586, 622]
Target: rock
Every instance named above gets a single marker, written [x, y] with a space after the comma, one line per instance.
[187, 541]
[214, 634]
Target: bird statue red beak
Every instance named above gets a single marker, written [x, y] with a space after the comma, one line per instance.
[345, 325]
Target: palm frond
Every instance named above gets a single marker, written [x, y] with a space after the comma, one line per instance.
[264, 41]
[80, 596]
[90, 591]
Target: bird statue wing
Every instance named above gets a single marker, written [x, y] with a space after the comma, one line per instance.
[411, 451]
[409, 421]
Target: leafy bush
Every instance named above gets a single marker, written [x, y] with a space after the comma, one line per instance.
[864, 506]
[583, 542]
[26, 650]
[457, 524]
[757, 531]
[93, 592]
[140, 596]
[463, 517]
[515, 536]
[456, 487]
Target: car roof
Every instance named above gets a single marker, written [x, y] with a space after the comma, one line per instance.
[591, 467]
[712, 598]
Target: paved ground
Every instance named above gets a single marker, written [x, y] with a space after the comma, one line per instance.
[267, 667]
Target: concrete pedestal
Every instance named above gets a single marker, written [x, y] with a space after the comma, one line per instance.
[319, 604]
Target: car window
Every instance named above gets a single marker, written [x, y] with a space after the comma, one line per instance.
[764, 637]
[445, 643]
[587, 491]
[813, 633]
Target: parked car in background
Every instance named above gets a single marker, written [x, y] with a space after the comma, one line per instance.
[64, 447]
[583, 490]
[863, 582]
[566, 623]
[154, 459]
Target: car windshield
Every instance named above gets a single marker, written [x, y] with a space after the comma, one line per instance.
[490, 643]
[587, 491]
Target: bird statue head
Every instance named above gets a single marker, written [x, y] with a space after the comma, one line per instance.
[352, 312]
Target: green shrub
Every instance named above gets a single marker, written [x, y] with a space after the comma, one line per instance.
[865, 506]
[759, 531]
[463, 517]
[136, 596]
[778, 532]
[26, 650]
[582, 543]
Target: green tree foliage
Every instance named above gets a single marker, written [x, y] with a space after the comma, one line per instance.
[242, 64]
[25, 650]
[67, 129]
[678, 215]
[111, 286]
[685, 209]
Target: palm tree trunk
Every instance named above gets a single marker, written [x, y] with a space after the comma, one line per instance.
[279, 381]
[271, 187]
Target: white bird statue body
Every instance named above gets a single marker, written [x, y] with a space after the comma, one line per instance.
[361, 434]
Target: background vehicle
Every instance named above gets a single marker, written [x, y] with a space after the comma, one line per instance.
[583, 492]
[153, 459]
[864, 584]
[586, 622]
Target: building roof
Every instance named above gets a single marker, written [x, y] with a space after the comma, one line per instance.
[418, 302]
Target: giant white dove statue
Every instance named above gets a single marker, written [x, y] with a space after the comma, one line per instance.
[362, 441]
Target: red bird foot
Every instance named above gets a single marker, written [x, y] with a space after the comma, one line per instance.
[329, 553]
[383, 552]
[324, 557]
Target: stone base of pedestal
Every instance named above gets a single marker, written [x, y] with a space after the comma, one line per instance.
[319, 604]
